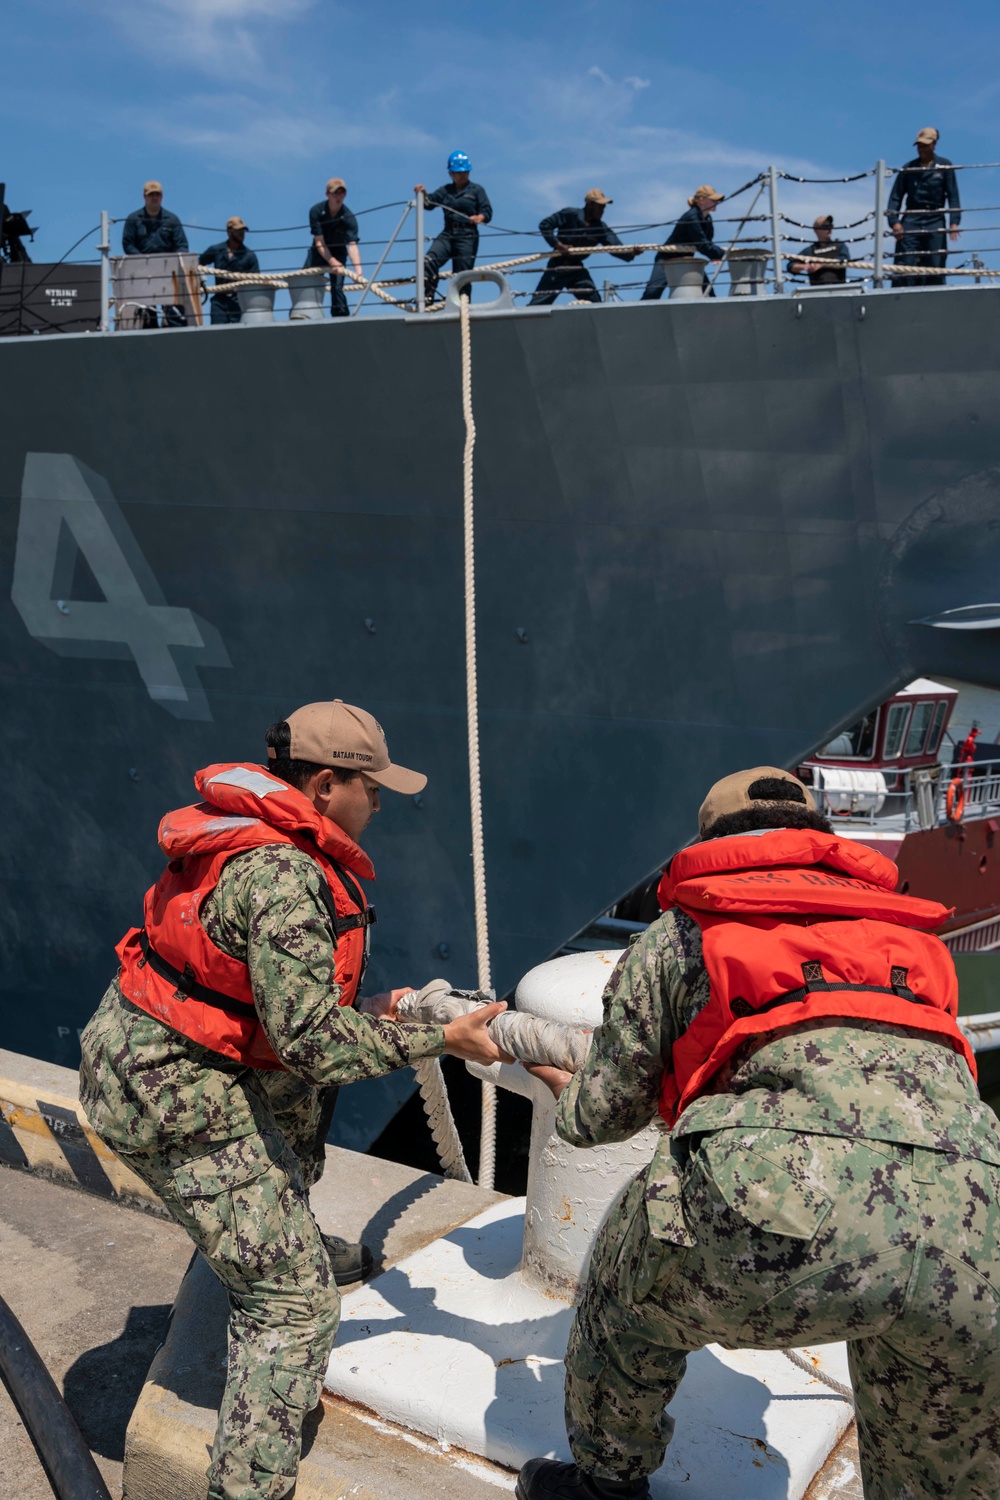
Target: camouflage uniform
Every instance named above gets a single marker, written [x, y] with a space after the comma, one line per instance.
[231, 1150]
[841, 1181]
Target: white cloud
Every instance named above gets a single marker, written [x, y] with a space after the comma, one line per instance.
[221, 37]
[243, 128]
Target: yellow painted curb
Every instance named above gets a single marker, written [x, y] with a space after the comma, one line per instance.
[47, 1132]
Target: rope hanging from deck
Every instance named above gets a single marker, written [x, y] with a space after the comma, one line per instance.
[488, 1130]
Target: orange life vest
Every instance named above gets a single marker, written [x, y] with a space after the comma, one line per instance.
[797, 925]
[171, 969]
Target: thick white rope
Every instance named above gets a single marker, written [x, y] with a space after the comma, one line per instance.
[434, 1093]
[488, 1129]
[806, 1364]
[530, 1039]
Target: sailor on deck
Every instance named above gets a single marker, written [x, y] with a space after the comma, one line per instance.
[154, 230]
[212, 1064]
[229, 254]
[822, 259]
[466, 206]
[828, 1171]
[694, 228]
[335, 240]
[571, 228]
[929, 185]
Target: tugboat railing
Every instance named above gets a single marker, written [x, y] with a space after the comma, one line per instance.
[917, 798]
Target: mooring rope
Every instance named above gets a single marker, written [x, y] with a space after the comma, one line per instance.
[488, 1131]
[828, 1380]
[434, 1093]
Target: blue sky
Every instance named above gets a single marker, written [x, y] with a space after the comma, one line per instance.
[247, 106]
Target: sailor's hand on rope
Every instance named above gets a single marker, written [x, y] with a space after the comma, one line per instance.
[554, 1079]
[384, 1005]
[468, 1038]
[897, 230]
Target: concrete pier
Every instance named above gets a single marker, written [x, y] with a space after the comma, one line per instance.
[92, 1279]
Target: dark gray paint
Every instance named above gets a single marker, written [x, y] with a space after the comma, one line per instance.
[713, 521]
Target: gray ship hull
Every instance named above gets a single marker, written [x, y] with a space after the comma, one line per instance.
[703, 534]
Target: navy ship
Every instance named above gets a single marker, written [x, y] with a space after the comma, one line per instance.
[710, 533]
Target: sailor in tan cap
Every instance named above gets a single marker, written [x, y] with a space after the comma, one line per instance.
[568, 228]
[229, 254]
[928, 184]
[154, 230]
[334, 231]
[695, 233]
[826, 1169]
[213, 1061]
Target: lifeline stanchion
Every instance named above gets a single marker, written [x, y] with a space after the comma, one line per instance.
[385, 252]
[879, 220]
[488, 1136]
[779, 270]
[105, 248]
[419, 240]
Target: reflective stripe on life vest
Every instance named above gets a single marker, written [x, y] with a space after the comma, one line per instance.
[170, 967]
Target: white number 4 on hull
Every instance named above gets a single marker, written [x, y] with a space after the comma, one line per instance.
[67, 509]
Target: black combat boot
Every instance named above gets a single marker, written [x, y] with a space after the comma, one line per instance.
[547, 1479]
[350, 1263]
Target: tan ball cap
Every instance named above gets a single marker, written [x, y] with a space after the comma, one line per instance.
[336, 184]
[732, 794]
[705, 191]
[235, 222]
[926, 137]
[594, 195]
[151, 187]
[338, 734]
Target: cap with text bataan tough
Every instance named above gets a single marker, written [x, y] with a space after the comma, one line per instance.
[735, 793]
[338, 734]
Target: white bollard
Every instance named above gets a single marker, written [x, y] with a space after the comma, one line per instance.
[463, 1340]
[569, 1189]
[686, 277]
[256, 305]
[307, 298]
[747, 264]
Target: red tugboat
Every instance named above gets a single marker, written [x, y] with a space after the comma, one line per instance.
[886, 782]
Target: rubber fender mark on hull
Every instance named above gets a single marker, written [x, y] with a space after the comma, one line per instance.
[67, 510]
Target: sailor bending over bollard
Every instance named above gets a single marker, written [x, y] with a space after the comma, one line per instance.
[212, 1064]
[694, 228]
[829, 1172]
[571, 229]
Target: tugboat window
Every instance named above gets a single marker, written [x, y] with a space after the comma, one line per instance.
[918, 728]
[934, 738]
[899, 715]
[856, 743]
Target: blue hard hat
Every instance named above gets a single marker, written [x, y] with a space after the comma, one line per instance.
[459, 162]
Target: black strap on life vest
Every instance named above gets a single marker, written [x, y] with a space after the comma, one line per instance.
[185, 983]
[364, 918]
[816, 983]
